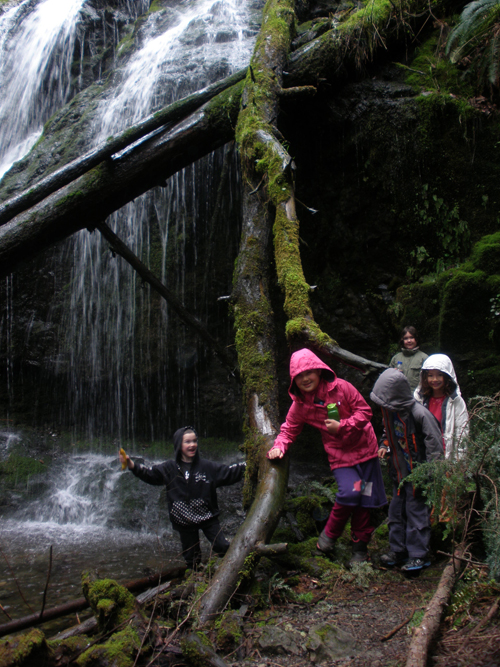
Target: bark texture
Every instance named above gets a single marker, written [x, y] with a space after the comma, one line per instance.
[425, 633]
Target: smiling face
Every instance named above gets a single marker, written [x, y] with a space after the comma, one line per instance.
[308, 381]
[436, 382]
[409, 341]
[189, 446]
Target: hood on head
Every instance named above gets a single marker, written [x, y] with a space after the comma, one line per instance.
[392, 391]
[305, 360]
[178, 438]
[441, 363]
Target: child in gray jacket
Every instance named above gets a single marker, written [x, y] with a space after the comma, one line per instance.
[412, 435]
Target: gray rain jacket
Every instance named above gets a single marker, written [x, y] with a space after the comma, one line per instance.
[421, 439]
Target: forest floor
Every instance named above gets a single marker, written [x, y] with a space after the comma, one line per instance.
[372, 614]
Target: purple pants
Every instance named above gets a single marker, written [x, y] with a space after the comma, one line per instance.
[359, 488]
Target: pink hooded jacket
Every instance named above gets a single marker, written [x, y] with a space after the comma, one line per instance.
[355, 441]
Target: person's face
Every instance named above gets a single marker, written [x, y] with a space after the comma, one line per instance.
[435, 379]
[308, 381]
[409, 341]
[189, 446]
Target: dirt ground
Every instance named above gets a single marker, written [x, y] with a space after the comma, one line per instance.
[379, 613]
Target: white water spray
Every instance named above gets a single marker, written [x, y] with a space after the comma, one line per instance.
[36, 51]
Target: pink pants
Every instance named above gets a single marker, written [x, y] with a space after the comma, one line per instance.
[361, 530]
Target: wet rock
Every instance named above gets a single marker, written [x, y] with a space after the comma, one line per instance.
[275, 640]
[327, 642]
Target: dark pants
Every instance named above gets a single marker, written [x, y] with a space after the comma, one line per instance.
[190, 541]
[409, 523]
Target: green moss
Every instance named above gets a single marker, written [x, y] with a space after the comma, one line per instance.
[254, 363]
[229, 632]
[224, 106]
[155, 6]
[289, 266]
[193, 653]
[119, 651]
[17, 470]
[111, 603]
[465, 304]
[431, 70]
[25, 650]
[485, 254]
[126, 44]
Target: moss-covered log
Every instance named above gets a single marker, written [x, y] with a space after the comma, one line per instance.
[113, 183]
[269, 210]
[168, 116]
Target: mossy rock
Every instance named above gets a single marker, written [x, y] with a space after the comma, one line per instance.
[29, 650]
[17, 470]
[111, 603]
[119, 651]
[229, 631]
[485, 254]
[465, 307]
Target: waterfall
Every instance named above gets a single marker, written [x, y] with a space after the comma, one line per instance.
[122, 364]
[36, 52]
[134, 371]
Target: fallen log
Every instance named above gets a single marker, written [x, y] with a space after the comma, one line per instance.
[425, 633]
[171, 114]
[90, 625]
[148, 276]
[81, 603]
[113, 183]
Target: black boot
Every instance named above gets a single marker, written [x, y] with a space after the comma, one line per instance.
[359, 552]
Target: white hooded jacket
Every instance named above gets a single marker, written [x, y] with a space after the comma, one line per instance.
[455, 418]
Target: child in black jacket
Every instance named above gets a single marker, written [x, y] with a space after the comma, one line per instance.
[191, 483]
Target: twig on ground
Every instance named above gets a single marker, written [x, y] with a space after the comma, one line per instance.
[485, 620]
[398, 627]
[465, 560]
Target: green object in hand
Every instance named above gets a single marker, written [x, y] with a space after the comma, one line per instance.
[333, 411]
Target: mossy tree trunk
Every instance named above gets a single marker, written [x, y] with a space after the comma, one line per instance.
[270, 213]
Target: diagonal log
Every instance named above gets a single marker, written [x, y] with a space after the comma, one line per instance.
[348, 45]
[114, 183]
[148, 276]
[171, 114]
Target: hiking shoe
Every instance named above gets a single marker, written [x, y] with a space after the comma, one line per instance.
[393, 559]
[415, 565]
[325, 544]
[359, 553]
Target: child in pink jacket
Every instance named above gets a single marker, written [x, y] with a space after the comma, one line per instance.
[351, 446]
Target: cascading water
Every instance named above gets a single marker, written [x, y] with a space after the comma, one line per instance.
[36, 53]
[134, 372]
[124, 370]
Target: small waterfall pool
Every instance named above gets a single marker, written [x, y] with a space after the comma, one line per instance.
[95, 517]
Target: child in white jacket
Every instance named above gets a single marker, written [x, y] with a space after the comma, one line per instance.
[439, 392]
